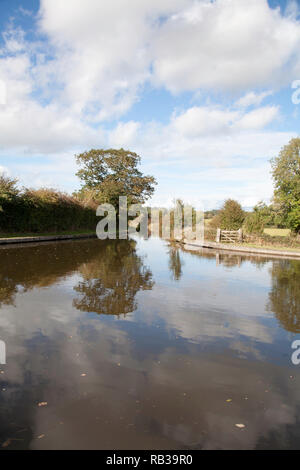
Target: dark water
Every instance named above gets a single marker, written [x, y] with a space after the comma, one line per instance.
[139, 345]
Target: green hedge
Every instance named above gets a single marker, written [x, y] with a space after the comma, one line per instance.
[44, 211]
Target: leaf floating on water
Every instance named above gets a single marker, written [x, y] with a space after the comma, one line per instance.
[43, 403]
[6, 443]
[9, 441]
[83, 375]
[41, 436]
[229, 400]
[240, 426]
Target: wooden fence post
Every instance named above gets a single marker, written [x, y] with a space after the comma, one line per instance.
[240, 235]
[218, 235]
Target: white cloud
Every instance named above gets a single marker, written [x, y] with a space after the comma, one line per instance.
[28, 127]
[3, 170]
[226, 45]
[252, 98]
[124, 134]
[102, 49]
[97, 56]
[2, 92]
[205, 121]
[258, 118]
[292, 9]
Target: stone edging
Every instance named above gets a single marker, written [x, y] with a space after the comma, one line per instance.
[10, 241]
[242, 249]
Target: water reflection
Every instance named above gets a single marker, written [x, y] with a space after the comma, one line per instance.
[227, 258]
[24, 267]
[199, 353]
[175, 263]
[112, 273]
[284, 298]
[112, 279]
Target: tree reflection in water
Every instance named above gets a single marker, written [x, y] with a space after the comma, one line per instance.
[175, 263]
[112, 279]
[112, 272]
[284, 298]
[25, 267]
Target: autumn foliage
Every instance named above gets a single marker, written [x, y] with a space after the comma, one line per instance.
[43, 210]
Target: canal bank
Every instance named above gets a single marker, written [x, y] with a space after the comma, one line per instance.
[46, 238]
[188, 244]
[195, 245]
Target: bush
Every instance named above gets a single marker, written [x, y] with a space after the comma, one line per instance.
[44, 210]
[230, 217]
[267, 240]
[256, 221]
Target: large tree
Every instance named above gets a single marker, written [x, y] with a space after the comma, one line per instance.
[113, 173]
[286, 175]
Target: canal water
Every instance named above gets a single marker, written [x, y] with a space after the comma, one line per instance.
[141, 345]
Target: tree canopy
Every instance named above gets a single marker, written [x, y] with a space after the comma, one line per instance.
[286, 175]
[113, 173]
[8, 187]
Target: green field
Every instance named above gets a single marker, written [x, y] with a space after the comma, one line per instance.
[207, 221]
[277, 232]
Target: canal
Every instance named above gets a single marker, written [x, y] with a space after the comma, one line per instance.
[141, 345]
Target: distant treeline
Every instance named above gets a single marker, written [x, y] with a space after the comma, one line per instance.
[210, 214]
[43, 210]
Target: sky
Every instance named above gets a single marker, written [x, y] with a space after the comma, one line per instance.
[202, 90]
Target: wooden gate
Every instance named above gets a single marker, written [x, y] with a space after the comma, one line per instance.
[229, 236]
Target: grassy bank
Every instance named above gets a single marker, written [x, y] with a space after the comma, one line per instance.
[277, 232]
[272, 247]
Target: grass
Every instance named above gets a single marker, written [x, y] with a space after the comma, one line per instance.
[49, 234]
[271, 247]
[207, 221]
[277, 232]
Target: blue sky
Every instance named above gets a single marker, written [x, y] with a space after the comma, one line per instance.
[202, 90]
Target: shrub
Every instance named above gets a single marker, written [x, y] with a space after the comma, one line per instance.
[258, 219]
[230, 217]
[254, 223]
